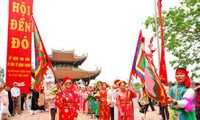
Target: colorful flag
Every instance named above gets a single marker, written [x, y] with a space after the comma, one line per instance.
[43, 64]
[144, 68]
[153, 86]
[163, 70]
[139, 62]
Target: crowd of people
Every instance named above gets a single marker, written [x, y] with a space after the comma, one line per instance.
[99, 101]
[102, 101]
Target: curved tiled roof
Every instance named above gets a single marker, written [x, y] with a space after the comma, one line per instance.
[76, 73]
[66, 57]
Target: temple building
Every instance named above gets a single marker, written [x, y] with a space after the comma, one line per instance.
[66, 63]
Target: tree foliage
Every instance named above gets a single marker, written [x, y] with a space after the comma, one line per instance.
[182, 34]
[1, 74]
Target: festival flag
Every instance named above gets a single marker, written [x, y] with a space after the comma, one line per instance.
[139, 62]
[144, 68]
[42, 61]
[153, 86]
[163, 70]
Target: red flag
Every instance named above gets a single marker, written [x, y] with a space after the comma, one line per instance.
[163, 70]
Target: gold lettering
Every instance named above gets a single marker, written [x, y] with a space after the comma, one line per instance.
[15, 7]
[23, 8]
[27, 59]
[25, 43]
[13, 24]
[21, 58]
[27, 65]
[27, 27]
[21, 24]
[21, 64]
[28, 10]
[15, 58]
[15, 43]
[12, 64]
[25, 75]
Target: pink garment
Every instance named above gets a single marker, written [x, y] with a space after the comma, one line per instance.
[4, 98]
[81, 100]
[189, 107]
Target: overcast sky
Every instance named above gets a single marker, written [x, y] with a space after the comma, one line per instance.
[106, 30]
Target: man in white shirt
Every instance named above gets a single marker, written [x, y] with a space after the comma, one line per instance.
[110, 101]
[15, 92]
[116, 83]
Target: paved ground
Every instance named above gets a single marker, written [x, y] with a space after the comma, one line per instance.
[151, 115]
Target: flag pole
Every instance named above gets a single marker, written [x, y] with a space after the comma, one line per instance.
[157, 35]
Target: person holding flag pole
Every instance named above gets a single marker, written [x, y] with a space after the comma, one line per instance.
[124, 102]
[66, 99]
[182, 96]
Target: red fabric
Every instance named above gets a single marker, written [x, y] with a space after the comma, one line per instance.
[67, 78]
[198, 99]
[163, 70]
[19, 42]
[117, 81]
[104, 109]
[127, 110]
[68, 107]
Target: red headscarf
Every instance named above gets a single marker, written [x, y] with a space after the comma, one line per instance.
[187, 78]
[117, 81]
[104, 83]
[67, 78]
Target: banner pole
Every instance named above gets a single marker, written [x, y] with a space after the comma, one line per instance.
[157, 36]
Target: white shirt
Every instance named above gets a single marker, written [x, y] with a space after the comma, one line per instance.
[109, 97]
[15, 92]
[188, 94]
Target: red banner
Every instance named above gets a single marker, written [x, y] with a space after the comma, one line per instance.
[163, 70]
[18, 67]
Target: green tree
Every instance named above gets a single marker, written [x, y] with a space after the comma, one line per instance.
[1, 74]
[182, 34]
[136, 86]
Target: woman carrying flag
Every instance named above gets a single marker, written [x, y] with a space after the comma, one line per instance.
[124, 102]
[67, 101]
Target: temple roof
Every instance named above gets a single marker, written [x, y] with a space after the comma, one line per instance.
[61, 56]
[77, 73]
